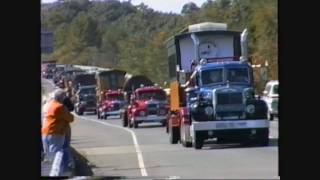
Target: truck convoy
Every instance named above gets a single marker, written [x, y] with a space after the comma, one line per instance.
[211, 88]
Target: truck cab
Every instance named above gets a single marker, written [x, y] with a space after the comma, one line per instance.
[85, 100]
[114, 101]
[147, 104]
[212, 90]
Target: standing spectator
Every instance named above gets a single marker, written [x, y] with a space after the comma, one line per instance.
[66, 146]
[55, 123]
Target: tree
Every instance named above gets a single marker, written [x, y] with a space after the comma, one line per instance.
[189, 8]
[83, 33]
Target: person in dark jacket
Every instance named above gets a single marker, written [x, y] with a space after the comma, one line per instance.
[66, 146]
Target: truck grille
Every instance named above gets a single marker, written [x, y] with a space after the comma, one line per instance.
[116, 107]
[91, 103]
[229, 98]
[231, 115]
[152, 106]
[152, 112]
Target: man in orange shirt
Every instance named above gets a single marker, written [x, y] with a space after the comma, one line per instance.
[56, 120]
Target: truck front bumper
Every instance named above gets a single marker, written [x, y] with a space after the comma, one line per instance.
[111, 113]
[230, 128]
[150, 118]
[84, 108]
[230, 124]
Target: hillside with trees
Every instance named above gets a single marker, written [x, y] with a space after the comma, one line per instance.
[120, 35]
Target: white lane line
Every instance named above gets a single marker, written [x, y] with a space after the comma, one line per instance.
[135, 142]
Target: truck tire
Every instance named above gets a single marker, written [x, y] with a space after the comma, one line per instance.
[98, 114]
[80, 113]
[130, 124]
[174, 133]
[198, 140]
[124, 120]
[135, 124]
[262, 137]
[167, 128]
[163, 123]
[270, 116]
[183, 142]
[186, 144]
[105, 117]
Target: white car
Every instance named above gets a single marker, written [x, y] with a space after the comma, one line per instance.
[271, 97]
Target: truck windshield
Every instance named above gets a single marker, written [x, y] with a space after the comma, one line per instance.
[113, 97]
[158, 95]
[240, 75]
[211, 76]
[275, 89]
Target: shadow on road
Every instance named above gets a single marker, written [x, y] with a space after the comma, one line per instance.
[82, 167]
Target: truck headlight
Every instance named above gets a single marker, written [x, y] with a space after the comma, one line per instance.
[206, 96]
[208, 110]
[83, 102]
[249, 93]
[250, 108]
[142, 113]
[162, 112]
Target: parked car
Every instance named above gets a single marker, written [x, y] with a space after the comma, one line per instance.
[271, 97]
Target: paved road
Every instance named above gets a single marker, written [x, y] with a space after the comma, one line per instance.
[111, 151]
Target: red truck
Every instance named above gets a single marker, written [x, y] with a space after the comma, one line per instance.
[114, 101]
[147, 104]
[108, 84]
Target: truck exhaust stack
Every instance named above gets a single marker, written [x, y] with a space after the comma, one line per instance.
[244, 46]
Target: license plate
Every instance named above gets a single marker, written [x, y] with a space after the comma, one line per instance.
[153, 116]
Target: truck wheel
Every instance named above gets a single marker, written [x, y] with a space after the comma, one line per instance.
[174, 135]
[105, 117]
[167, 128]
[76, 110]
[135, 124]
[186, 144]
[130, 124]
[183, 142]
[80, 113]
[163, 123]
[124, 120]
[198, 140]
[98, 114]
[270, 117]
[95, 112]
[262, 137]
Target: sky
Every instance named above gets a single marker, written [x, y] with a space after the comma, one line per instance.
[174, 6]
